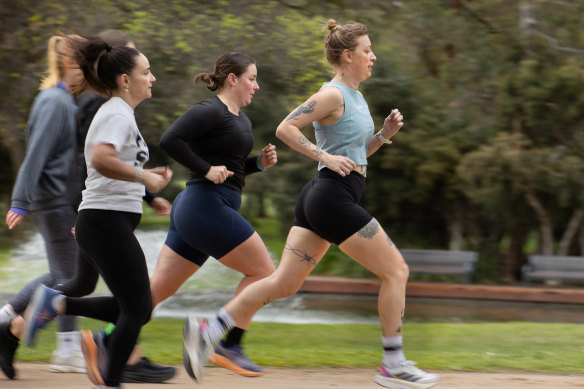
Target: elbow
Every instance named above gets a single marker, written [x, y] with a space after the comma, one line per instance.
[280, 132]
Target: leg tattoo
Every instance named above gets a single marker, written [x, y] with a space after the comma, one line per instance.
[304, 256]
[388, 240]
[369, 231]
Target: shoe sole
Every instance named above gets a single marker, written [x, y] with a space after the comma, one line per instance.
[89, 349]
[401, 384]
[191, 349]
[220, 360]
[66, 369]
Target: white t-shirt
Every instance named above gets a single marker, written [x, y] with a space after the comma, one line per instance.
[115, 124]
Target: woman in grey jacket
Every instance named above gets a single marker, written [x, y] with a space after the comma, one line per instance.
[46, 188]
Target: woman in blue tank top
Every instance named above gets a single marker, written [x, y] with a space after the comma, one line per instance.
[328, 207]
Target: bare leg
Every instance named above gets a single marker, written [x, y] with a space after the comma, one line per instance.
[304, 249]
[250, 258]
[171, 271]
[372, 248]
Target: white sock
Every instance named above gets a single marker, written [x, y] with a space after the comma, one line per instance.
[393, 354]
[7, 314]
[68, 342]
[220, 325]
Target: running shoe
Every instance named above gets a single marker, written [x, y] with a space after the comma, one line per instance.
[72, 362]
[95, 354]
[406, 376]
[197, 347]
[40, 312]
[234, 359]
[8, 346]
[146, 371]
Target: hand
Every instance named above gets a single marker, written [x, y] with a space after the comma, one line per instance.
[218, 174]
[160, 205]
[268, 156]
[392, 124]
[339, 164]
[13, 219]
[156, 179]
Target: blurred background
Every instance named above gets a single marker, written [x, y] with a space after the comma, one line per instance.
[490, 158]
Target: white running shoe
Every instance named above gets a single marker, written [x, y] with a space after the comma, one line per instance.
[406, 376]
[197, 347]
[67, 363]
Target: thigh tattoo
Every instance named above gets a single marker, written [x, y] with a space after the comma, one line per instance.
[369, 231]
[304, 256]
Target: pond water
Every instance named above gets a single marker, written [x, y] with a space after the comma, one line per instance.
[213, 285]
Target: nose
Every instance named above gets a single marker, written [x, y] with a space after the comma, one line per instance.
[153, 78]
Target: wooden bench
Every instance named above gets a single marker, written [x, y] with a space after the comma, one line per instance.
[441, 262]
[553, 268]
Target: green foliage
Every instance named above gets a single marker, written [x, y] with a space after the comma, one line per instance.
[491, 92]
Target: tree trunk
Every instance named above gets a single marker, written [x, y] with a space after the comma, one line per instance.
[545, 223]
[570, 232]
[515, 256]
[454, 220]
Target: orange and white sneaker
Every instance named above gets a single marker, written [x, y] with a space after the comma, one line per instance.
[234, 359]
[406, 376]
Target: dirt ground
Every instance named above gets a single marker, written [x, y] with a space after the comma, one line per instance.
[37, 376]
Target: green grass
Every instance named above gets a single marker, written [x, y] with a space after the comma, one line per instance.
[486, 347]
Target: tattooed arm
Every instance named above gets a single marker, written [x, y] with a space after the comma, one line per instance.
[326, 107]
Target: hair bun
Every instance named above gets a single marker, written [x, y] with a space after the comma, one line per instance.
[332, 25]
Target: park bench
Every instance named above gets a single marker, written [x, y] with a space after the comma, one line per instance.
[441, 262]
[553, 268]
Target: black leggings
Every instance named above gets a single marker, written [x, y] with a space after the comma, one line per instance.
[107, 239]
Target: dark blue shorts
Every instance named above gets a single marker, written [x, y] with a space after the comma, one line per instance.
[204, 222]
[329, 206]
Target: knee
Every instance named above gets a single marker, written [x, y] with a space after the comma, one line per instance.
[400, 272]
[266, 271]
[287, 288]
[143, 310]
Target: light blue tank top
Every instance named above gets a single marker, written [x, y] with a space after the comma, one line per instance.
[350, 135]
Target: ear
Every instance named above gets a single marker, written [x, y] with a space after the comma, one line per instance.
[124, 81]
[231, 78]
[347, 55]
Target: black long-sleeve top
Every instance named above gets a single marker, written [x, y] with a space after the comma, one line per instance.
[208, 134]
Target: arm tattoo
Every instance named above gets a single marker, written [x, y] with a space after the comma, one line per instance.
[369, 231]
[306, 143]
[303, 108]
[303, 255]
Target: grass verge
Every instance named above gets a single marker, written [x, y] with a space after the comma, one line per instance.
[485, 347]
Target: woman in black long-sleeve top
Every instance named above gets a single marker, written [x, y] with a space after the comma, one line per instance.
[213, 140]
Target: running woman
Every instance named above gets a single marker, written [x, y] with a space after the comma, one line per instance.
[328, 210]
[115, 153]
[47, 187]
[213, 139]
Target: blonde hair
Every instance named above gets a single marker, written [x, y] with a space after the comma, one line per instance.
[341, 37]
[58, 49]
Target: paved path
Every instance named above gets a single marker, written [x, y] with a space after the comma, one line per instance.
[37, 376]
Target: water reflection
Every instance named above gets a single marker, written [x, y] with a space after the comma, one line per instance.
[205, 292]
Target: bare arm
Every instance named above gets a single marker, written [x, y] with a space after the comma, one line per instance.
[325, 106]
[391, 126]
[106, 162]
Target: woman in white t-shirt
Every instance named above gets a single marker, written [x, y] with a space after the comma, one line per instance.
[115, 153]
